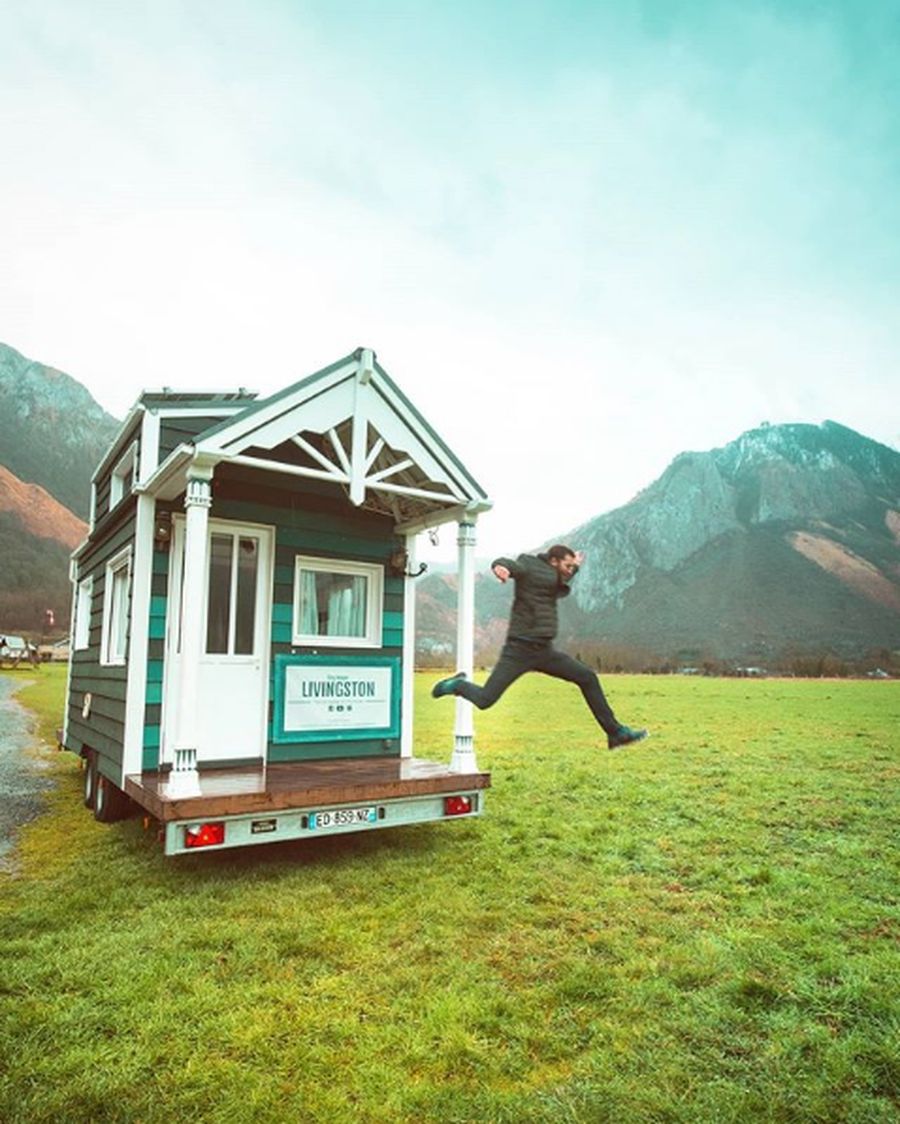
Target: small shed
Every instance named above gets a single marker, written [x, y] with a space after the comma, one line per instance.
[16, 651]
[243, 627]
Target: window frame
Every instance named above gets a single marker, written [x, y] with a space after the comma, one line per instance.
[119, 562]
[126, 464]
[373, 572]
[236, 536]
[84, 598]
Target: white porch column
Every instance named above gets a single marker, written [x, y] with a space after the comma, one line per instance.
[409, 649]
[360, 426]
[197, 501]
[463, 757]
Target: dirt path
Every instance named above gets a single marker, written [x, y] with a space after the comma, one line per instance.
[22, 780]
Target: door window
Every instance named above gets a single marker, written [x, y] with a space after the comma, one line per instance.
[231, 594]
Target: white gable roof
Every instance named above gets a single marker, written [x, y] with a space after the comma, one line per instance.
[349, 424]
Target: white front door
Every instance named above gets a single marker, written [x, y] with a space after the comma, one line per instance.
[233, 679]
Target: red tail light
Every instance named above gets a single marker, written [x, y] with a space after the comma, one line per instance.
[204, 834]
[457, 805]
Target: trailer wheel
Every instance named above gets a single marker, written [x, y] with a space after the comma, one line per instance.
[110, 802]
[90, 778]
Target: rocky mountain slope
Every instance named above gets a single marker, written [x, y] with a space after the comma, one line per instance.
[784, 541]
[52, 432]
[38, 513]
[37, 535]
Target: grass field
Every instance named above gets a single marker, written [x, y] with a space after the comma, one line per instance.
[701, 928]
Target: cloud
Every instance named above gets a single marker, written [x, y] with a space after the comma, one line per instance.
[580, 244]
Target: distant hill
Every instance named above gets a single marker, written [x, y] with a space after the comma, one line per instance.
[35, 577]
[52, 432]
[52, 435]
[38, 513]
[37, 534]
[786, 540]
[436, 605]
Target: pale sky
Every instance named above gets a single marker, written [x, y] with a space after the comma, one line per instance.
[582, 237]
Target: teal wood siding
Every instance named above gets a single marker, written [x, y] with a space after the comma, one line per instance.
[156, 652]
[306, 521]
[392, 645]
[104, 729]
[309, 521]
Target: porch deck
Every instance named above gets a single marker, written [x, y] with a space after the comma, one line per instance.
[303, 784]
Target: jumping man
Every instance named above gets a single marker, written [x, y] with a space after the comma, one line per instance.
[540, 582]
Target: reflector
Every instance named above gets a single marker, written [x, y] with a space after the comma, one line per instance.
[204, 834]
[457, 805]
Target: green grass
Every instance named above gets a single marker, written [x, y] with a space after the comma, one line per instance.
[701, 928]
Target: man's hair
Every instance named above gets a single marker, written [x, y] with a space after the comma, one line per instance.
[559, 552]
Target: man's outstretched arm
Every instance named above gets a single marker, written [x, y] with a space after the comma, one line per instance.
[504, 569]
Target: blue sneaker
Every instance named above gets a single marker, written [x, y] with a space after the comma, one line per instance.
[447, 686]
[626, 736]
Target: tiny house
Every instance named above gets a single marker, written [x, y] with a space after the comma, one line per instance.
[243, 623]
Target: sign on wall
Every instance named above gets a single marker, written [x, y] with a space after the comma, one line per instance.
[332, 698]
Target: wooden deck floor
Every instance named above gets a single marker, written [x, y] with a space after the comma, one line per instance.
[306, 784]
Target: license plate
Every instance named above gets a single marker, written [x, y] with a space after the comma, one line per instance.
[342, 817]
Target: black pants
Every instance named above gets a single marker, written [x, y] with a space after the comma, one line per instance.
[519, 656]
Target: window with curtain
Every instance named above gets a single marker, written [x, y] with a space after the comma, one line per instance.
[337, 603]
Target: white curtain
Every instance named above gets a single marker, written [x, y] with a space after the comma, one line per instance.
[309, 613]
[347, 608]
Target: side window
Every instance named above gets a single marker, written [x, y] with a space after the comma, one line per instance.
[83, 601]
[337, 603]
[115, 609]
[122, 478]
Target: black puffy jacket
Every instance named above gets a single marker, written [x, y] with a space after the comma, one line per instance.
[538, 587]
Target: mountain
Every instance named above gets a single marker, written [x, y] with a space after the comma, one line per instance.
[784, 542]
[52, 432]
[436, 606]
[37, 513]
[52, 435]
[37, 534]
